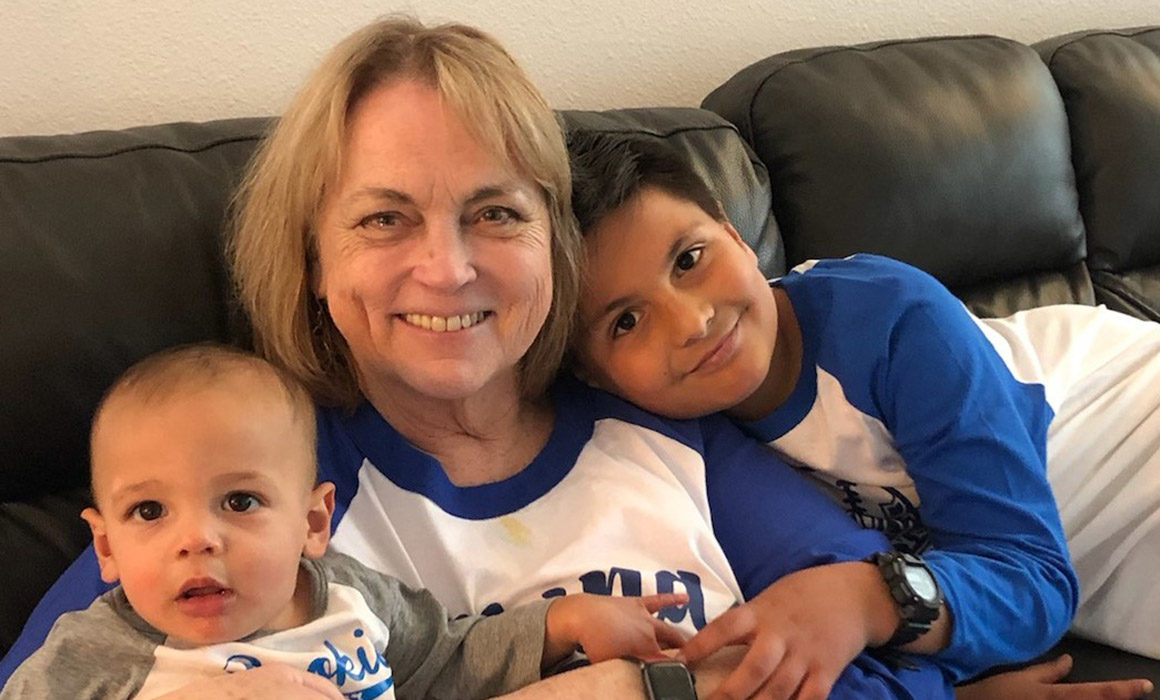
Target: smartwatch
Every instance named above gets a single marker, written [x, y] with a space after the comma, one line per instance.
[667, 680]
[915, 592]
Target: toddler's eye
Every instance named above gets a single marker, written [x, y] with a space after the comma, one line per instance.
[625, 323]
[689, 258]
[242, 502]
[147, 510]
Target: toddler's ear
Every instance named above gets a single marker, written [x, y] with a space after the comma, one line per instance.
[108, 564]
[318, 517]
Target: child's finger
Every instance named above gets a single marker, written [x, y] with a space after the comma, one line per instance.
[728, 628]
[1052, 671]
[660, 601]
[669, 636]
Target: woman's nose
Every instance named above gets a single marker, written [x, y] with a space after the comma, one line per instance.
[445, 258]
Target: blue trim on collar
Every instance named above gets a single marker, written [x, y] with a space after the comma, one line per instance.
[805, 393]
[418, 472]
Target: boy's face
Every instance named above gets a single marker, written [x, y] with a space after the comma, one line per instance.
[675, 316]
[206, 505]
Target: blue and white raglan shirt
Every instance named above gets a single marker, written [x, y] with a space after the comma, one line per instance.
[908, 404]
[618, 502]
[368, 634]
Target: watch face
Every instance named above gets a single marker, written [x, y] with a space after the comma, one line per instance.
[669, 681]
[922, 583]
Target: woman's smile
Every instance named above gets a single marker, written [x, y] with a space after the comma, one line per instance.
[444, 324]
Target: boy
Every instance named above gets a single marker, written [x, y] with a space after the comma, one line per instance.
[207, 512]
[923, 421]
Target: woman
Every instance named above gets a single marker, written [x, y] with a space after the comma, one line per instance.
[404, 246]
[434, 284]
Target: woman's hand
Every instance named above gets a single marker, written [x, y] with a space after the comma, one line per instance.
[1042, 682]
[270, 682]
[802, 631]
[610, 627]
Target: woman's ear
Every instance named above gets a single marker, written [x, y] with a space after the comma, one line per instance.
[318, 515]
[108, 564]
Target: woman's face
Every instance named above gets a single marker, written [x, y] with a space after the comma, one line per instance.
[434, 256]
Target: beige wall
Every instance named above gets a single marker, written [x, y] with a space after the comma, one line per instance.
[75, 65]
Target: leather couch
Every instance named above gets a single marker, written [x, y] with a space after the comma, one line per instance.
[1017, 177]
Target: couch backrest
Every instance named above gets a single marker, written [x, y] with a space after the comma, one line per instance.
[1110, 83]
[956, 154]
[110, 248]
[948, 153]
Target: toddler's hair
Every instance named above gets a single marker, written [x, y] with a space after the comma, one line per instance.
[175, 371]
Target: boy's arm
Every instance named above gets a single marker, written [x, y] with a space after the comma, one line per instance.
[76, 589]
[974, 441]
[813, 603]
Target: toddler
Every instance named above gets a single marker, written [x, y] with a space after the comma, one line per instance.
[208, 515]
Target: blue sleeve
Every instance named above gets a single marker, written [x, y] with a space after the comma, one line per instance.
[76, 589]
[769, 519]
[974, 440]
[772, 521]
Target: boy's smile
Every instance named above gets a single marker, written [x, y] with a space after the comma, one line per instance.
[675, 315]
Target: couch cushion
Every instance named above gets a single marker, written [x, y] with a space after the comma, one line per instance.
[720, 157]
[1110, 83]
[948, 153]
[110, 248]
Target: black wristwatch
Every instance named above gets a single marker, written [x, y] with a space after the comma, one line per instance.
[915, 592]
[667, 680]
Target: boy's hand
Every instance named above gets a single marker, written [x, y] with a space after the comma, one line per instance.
[610, 627]
[802, 631]
[1042, 682]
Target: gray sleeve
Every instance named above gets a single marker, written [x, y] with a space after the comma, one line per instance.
[91, 654]
[433, 657]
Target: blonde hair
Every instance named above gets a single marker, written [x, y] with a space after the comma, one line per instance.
[273, 249]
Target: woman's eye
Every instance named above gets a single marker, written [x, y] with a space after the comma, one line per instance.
[686, 260]
[624, 323]
[381, 219]
[499, 215]
[147, 510]
[242, 502]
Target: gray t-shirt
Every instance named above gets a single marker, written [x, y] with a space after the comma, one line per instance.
[368, 633]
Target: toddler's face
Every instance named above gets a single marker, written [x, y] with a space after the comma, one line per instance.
[675, 315]
[206, 505]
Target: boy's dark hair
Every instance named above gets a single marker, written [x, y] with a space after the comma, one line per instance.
[609, 169]
[171, 372]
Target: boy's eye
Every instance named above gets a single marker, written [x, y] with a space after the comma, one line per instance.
[625, 323]
[242, 502]
[689, 258]
[147, 510]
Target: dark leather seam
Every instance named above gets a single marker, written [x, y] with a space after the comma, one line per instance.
[131, 149]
